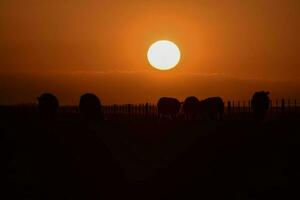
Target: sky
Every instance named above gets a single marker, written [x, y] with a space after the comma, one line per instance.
[229, 48]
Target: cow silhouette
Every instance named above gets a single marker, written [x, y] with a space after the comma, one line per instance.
[211, 108]
[260, 104]
[168, 107]
[47, 106]
[191, 107]
[90, 107]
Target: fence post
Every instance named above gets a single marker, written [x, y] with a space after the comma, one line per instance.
[229, 107]
[282, 106]
[112, 111]
[146, 110]
[154, 111]
[129, 111]
[150, 111]
[135, 110]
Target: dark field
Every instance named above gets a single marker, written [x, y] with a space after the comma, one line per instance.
[136, 156]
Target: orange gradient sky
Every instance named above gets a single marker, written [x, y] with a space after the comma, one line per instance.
[229, 48]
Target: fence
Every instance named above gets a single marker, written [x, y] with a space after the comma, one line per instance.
[149, 110]
[131, 111]
[282, 105]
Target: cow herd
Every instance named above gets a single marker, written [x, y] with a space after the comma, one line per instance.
[168, 107]
[192, 107]
[209, 108]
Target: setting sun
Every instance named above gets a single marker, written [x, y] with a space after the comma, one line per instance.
[163, 55]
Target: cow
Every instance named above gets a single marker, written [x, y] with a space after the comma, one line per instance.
[47, 106]
[260, 104]
[190, 107]
[168, 107]
[211, 108]
[90, 107]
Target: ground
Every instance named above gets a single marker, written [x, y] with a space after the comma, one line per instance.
[236, 157]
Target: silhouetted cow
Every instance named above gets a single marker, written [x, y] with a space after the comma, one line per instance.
[168, 106]
[260, 103]
[212, 108]
[48, 106]
[90, 107]
[191, 107]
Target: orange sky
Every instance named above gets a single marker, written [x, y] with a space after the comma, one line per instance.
[229, 48]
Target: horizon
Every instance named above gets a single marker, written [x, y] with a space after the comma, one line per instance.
[209, 85]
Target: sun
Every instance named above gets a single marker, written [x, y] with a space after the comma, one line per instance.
[163, 55]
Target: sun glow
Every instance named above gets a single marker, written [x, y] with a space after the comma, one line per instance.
[163, 55]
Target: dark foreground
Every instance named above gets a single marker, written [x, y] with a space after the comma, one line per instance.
[234, 158]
